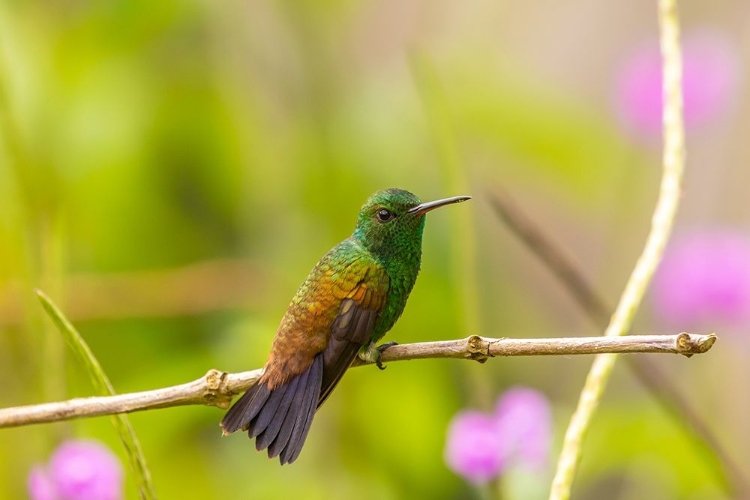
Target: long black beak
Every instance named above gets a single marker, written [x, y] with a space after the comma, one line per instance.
[423, 208]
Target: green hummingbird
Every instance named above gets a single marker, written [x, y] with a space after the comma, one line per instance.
[350, 299]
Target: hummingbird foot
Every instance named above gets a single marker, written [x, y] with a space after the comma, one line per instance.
[381, 349]
[372, 353]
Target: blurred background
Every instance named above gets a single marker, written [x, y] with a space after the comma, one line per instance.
[170, 172]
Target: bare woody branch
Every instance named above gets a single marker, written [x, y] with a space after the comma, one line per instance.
[217, 388]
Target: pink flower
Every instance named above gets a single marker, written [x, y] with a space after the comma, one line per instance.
[40, 486]
[78, 470]
[703, 279]
[474, 449]
[525, 425]
[710, 74]
[481, 446]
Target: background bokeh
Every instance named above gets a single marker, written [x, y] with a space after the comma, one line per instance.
[170, 171]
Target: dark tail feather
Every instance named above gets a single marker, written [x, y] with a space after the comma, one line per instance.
[282, 428]
[266, 413]
[270, 424]
[245, 409]
[280, 418]
[306, 412]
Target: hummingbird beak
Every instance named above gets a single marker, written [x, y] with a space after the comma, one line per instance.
[423, 208]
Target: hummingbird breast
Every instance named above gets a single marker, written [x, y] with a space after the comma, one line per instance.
[402, 269]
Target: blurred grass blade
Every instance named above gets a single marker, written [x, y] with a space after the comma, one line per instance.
[456, 181]
[103, 386]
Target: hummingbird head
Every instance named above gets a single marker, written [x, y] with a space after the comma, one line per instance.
[391, 222]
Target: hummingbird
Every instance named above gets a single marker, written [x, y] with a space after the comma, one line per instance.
[348, 302]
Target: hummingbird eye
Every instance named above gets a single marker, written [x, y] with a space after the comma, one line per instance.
[384, 215]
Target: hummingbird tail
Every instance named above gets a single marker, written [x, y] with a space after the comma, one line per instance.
[278, 418]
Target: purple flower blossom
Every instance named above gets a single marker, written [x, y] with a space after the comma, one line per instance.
[40, 485]
[474, 449]
[78, 470]
[481, 446]
[704, 278]
[710, 74]
[525, 425]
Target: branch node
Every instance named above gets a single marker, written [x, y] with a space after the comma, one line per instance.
[683, 345]
[216, 392]
[478, 348]
[706, 342]
[687, 344]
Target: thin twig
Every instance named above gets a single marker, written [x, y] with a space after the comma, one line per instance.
[217, 388]
[646, 370]
[661, 228]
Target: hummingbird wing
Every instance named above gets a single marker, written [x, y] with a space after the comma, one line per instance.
[353, 327]
[330, 318]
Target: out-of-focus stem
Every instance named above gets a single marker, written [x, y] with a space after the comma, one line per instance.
[463, 252]
[661, 228]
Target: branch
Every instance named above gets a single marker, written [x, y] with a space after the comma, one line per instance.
[217, 388]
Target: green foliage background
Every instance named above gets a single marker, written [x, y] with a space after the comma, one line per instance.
[149, 137]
